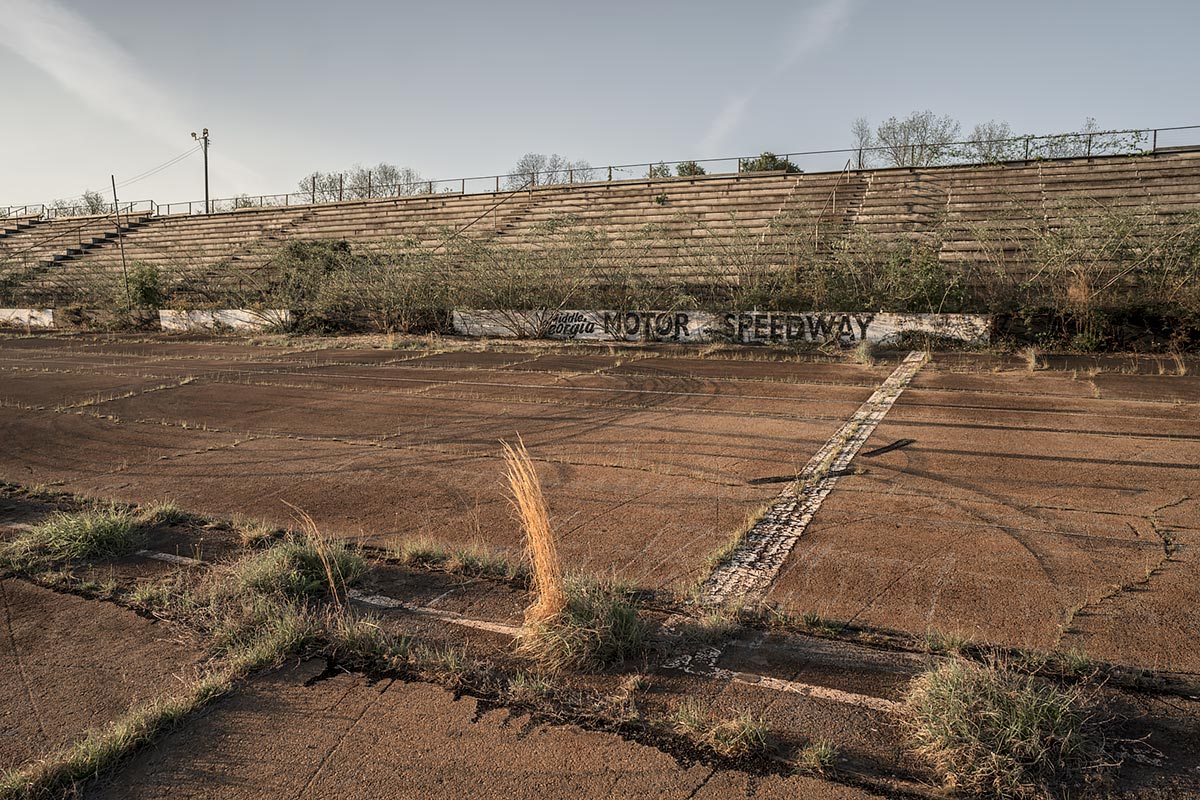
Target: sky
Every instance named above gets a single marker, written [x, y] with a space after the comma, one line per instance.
[465, 88]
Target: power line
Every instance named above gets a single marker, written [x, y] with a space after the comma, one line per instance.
[157, 169]
[144, 174]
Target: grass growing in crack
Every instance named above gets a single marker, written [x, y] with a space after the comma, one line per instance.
[61, 773]
[815, 622]
[301, 565]
[992, 731]
[723, 554]
[527, 688]
[97, 532]
[713, 626]
[621, 705]
[952, 642]
[164, 513]
[157, 594]
[598, 627]
[362, 641]
[449, 665]
[739, 735]
[476, 560]
[254, 532]
[816, 758]
[569, 624]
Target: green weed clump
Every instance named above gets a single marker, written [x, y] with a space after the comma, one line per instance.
[816, 757]
[98, 532]
[300, 566]
[991, 731]
[476, 560]
[739, 735]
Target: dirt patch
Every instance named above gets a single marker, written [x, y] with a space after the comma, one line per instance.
[74, 664]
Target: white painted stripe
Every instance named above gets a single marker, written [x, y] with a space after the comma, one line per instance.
[755, 564]
[383, 601]
[811, 690]
[696, 665]
[171, 558]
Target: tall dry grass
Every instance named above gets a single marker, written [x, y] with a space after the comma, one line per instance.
[549, 587]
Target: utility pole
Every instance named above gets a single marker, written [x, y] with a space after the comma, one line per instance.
[121, 241]
[203, 140]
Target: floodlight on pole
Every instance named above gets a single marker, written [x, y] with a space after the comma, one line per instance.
[203, 140]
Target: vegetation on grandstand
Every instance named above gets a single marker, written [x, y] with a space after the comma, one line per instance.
[924, 139]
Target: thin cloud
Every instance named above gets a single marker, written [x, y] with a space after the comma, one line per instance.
[728, 118]
[815, 28]
[100, 74]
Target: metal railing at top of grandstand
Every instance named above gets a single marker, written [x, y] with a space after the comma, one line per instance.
[42, 211]
[1080, 144]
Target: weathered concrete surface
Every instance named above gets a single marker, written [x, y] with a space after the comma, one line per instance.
[72, 664]
[1027, 511]
[346, 738]
[646, 473]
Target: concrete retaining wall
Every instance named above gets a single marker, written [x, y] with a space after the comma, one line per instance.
[746, 327]
[238, 319]
[27, 317]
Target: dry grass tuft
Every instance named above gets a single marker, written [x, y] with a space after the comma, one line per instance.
[549, 586]
[992, 731]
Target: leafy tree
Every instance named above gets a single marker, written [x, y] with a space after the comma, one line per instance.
[659, 170]
[921, 139]
[539, 169]
[767, 162]
[990, 142]
[145, 285]
[90, 202]
[1089, 140]
[689, 169]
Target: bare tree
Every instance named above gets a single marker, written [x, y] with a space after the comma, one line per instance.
[361, 183]
[921, 139]
[539, 169]
[864, 141]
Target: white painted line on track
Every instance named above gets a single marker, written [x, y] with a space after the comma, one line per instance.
[383, 601]
[171, 558]
[749, 678]
[812, 690]
[756, 562]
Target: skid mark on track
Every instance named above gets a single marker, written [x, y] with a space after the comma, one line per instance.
[25, 683]
[756, 562]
